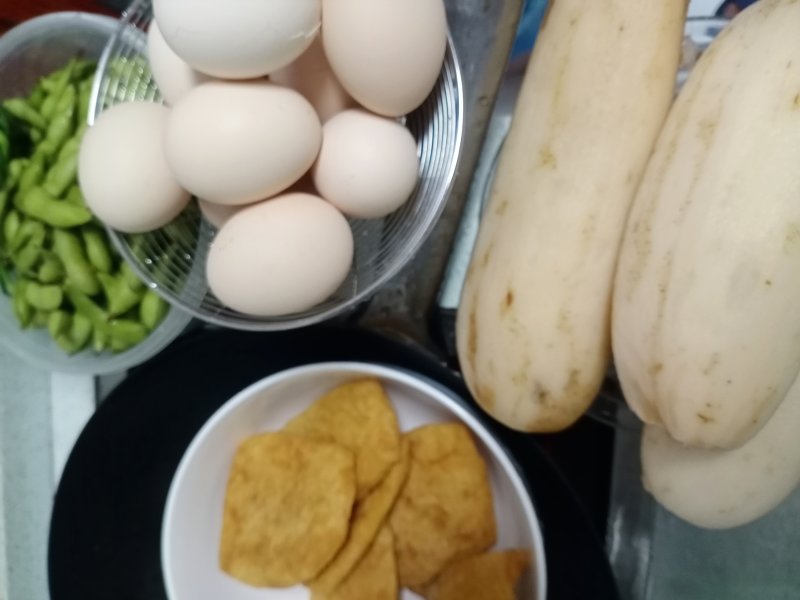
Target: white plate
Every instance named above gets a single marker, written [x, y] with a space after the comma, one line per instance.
[193, 514]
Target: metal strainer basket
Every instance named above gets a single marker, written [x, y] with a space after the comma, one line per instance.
[172, 259]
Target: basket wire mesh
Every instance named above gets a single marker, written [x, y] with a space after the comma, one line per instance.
[172, 259]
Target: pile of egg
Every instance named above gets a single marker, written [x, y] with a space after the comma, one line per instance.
[281, 118]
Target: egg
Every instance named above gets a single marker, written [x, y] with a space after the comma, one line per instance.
[239, 142]
[311, 75]
[123, 172]
[367, 166]
[281, 256]
[238, 39]
[173, 76]
[386, 53]
[218, 214]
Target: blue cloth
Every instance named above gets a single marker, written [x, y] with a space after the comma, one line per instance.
[528, 28]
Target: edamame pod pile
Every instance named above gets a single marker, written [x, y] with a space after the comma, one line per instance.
[56, 262]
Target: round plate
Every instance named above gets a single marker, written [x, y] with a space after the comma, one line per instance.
[193, 519]
[106, 525]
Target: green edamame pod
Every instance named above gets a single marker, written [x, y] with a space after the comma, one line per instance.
[25, 112]
[40, 318]
[61, 125]
[50, 270]
[152, 310]
[83, 70]
[99, 340]
[48, 107]
[58, 322]
[75, 196]
[15, 169]
[69, 249]
[22, 310]
[66, 343]
[55, 84]
[36, 97]
[11, 225]
[4, 195]
[123, 334]
[121, 298]
[28, 230]
[31, 176]
[58, 78]
[71, 146]
[87, 307]
[25, 258]
[37, 203]
[81, 330]
[130, 278]
[63, 173]
[97, 249]
[43, 297]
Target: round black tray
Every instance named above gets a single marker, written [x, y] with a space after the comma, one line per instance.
[106, 522]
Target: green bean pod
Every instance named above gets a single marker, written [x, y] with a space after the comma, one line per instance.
[31, 176]
[15, 169]
[48, 107]
[25, 112]
[22, 310]
[75, 196]
[62, 124]
[121, 298]
[4, 196]
[28, 230]
[58, 322]
[40, 318]
[11, 225]
[39, 204]
[55, 85]
[124, 334]
[43, 297]
[86, 306]
[130, 278]
[36, 97]
[80, 273]
[66, 343]
[97, 249]
[152, 310]
[51, 270]
[26, 258]
[81, 330]
[62, 174]
[99, 340]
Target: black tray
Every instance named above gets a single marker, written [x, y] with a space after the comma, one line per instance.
[105, 528]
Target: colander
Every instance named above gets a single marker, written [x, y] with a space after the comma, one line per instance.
[172, 259]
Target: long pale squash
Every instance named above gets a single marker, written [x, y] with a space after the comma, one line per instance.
[534, 319]
[706, 312]
[719, 489]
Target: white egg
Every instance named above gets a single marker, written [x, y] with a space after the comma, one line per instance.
[281, 256]
[311, 75]
[240, 142]
[387, 53]
[238, 39]
[173, 76]
[367, 166]
[123, 172]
